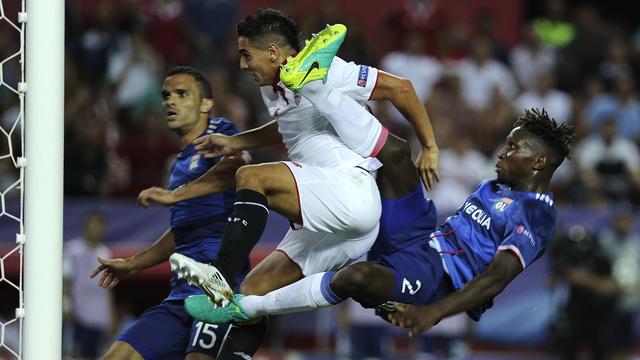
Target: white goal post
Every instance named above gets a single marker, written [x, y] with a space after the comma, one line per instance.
[44, 138]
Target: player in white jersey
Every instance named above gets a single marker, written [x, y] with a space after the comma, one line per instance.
[327, 190]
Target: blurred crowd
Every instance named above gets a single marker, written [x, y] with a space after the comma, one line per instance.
[569, 59]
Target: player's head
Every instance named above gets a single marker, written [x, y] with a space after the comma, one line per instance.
[535, 147]
[186, 98]
[265, 39]
[94, 225]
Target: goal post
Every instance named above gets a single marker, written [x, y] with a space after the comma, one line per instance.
[44, 138]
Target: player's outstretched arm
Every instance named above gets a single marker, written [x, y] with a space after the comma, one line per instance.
[504, 268]
[114, 270]
[221, 145]
[219, 178]
[402, 95]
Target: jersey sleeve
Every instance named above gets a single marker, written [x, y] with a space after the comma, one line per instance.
[528, 231]
[227, 128]
[224, 127]
[356, 81]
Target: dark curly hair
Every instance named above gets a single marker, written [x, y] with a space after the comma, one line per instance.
[559, 139]
[270, 25]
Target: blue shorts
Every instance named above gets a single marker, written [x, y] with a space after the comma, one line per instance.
[167, 332]
[418, 272]
[403, 246]
[404, 221]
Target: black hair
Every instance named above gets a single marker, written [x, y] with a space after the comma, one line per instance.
[269, 24]
[559, 139]
[203, 83]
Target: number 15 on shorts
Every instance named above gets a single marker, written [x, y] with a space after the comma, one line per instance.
[205, 336]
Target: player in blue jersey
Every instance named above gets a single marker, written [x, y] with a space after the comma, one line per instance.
[166, 331]
[504, 226]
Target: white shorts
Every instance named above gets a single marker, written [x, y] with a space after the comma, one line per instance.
[340, 217]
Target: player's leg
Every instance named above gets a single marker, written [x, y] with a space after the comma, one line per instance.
[274, 272]
[199, 356]
[259, 189]
[355, 281]
[357, 128]
[121, 350]
[407, 215]
[325, 289]
[341, 203]
[162, 331]
[412, 275]
[398, 176]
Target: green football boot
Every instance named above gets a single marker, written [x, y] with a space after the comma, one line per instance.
[313, 62]
[201, 308]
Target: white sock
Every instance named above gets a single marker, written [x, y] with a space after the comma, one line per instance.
[310, 293]
[357, 127]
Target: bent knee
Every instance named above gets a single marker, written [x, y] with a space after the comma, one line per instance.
[247, 175]
[353, 278]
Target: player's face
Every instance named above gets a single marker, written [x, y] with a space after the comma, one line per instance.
[516, 159]
[181, 102]
[256, 62]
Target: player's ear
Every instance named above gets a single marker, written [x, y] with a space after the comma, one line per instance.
[206, 105]
[540, 162]
[272, 51]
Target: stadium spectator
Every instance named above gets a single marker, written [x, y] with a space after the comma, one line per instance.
[531, 58]
[410, 62]
[412, 16]
[146, 151]
[622, 106]
[88, 309]
[447, 106]
[464, 167]
[585, 320]
[552, 28]
[622, 245]
[617, 64]
[481, 75]
[608, 164]
[582, 56]
[546, 96]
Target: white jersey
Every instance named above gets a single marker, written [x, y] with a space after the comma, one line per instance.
[308, 135]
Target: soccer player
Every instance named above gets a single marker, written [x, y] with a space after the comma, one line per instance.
[166, 331]
[327, 190]
[461, 265]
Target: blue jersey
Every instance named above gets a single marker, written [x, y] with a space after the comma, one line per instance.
[189, 166]
[494, 218]
[198, 224]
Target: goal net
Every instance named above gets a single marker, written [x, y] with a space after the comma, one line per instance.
[31, 138]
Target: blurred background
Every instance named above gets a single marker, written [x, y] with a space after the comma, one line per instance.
[475, 63]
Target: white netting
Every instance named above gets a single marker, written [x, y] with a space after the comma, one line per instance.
[11, 177]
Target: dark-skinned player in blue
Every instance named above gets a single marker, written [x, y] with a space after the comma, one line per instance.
[429, 272]
[166, 331]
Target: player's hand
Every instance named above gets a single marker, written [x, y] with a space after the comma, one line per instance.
[113, 270]
[415, 318]
[157, 195]
[214, 145]
[427, 164]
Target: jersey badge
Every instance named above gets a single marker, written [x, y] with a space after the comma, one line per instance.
[194, 162]
[363, 74]
[502, 204]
